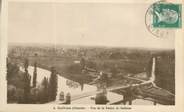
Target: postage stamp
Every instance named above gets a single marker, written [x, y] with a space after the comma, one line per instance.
[163, 18]
[167, 15]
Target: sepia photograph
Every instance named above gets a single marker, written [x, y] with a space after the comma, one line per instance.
[88, 54]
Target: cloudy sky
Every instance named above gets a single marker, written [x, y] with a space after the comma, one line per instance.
[94, 24]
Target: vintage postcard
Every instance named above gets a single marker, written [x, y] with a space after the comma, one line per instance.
[91, 56]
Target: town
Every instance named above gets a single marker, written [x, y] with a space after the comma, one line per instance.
[61, 74]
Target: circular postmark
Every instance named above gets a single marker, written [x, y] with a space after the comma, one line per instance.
[157, 32]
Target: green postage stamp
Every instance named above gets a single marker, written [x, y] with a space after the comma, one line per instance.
[167, 15]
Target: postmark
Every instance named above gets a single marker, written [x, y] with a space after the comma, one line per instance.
[156, 27]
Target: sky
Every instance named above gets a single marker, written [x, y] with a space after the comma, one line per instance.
[93, 24]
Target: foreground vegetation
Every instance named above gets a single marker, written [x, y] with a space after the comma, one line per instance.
[20, 89]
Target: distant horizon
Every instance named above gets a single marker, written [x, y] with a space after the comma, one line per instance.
[95, 46]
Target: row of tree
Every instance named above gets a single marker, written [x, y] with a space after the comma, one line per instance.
[31, 91]
[46, 92]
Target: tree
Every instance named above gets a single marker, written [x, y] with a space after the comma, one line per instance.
[82, 63]
[44, 96]
[26, 80]
[149, 67]
[26, 64]
[53, 85]
[35, 74]
[12, 70]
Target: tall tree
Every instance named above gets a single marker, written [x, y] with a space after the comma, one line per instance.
[45, 84]
[149, 67]
[53, 85]
[26, 64]
[26, 79]
[35, 74]
[82, 63]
